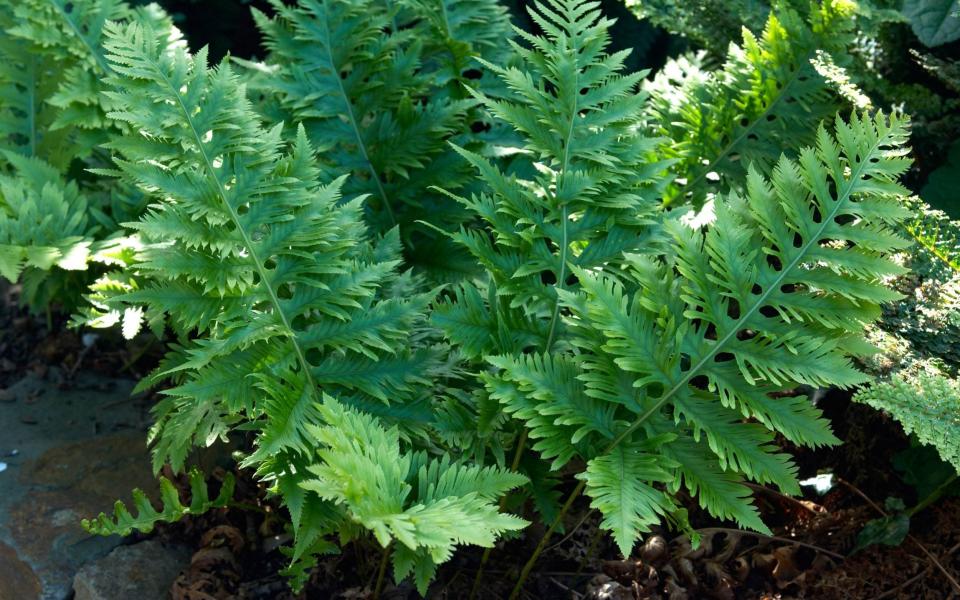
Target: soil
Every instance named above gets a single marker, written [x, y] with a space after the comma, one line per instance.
[236, 552]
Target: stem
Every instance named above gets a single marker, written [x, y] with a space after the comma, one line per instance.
[486, 552]
[934, 495]
[382, 571]
[543, 541]
[772, 538]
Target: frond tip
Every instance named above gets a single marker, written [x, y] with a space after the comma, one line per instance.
[171, 510]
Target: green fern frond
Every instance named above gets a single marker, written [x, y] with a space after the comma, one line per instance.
[124, 522]
[621, 485]
[752, 315]
[427, 506]
[366, 94]
[927, 406]
[43, 219]
[758, 105]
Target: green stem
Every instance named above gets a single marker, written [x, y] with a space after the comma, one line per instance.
[934, 495]
[521, 443]
[543, 541]
[381, 572]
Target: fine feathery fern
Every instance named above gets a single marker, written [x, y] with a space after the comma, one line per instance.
[642, 358]
[759, 104]
[276, 291]
[927, 406]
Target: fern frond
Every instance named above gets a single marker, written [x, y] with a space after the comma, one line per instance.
[363, 91]
[753, 315]
[758, 105]
[124, 522]
[43, 219]
[428, 509]
[621, 486]
[927, 406]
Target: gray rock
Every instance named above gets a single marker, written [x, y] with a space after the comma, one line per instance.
[86, 450]
[144, 571]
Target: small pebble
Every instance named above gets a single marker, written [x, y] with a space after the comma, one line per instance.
[14, 452]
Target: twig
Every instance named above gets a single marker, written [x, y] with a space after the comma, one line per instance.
[782, 496]
[528, 566]
[772, 538]
[933, 559]
[569, 589]
[926, 571]
[572, 531]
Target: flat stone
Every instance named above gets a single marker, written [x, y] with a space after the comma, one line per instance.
[144, 571]
[17, 579]
[85, 451]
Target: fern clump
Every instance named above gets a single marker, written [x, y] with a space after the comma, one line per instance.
[641, 351]
[275, 291]
[927, 406]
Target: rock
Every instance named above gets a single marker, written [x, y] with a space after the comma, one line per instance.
[144, 571]
[17, 579]
[83, 450]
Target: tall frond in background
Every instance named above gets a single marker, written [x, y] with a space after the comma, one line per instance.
[759, 104]
[383, 102]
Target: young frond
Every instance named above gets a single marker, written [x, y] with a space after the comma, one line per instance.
[427, 506]
[172, 509]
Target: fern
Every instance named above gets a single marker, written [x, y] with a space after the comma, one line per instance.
[652, 344]
[376, 97]
[759, 104]
[43, 220]
[52, 117]
[124, 522]
[272, 282]
[427, 506]
[928, 406]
